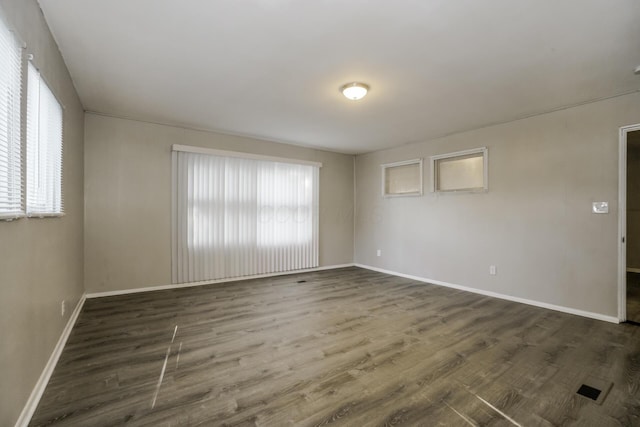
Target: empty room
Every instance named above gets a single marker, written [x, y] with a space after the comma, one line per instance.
[308, 213]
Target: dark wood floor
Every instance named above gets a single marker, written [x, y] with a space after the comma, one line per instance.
[633, 297]
[347, 347]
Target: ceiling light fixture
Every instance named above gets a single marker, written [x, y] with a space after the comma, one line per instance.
[354, 91]
[637, 70]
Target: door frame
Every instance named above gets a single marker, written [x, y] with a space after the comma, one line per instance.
[622, 220]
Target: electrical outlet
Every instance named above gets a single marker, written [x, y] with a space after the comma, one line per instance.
[62, 308]
[379, 252]
[493, 270]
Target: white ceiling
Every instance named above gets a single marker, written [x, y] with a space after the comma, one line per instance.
[272, 68]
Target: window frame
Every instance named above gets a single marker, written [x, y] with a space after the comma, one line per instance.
[434, 161]
[54, 207]
[15, 154]
[387, 166]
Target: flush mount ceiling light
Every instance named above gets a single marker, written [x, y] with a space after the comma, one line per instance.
[354, 91]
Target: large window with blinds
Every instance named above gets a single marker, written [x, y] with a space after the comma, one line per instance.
[11, 205]
[44, 148]
[241, 215]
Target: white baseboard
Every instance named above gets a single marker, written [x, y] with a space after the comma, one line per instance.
[563, 309]
[211, 282]
[633, 270]
[36, 393]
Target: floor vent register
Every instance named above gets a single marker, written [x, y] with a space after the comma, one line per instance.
[595, 389]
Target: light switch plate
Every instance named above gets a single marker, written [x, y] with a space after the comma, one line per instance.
[600, 207]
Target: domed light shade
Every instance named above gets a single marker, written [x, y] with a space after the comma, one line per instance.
[354, 91]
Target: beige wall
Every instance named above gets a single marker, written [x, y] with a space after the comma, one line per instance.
[40, 259]
[128, 198]
[535, 223]
[633, 200]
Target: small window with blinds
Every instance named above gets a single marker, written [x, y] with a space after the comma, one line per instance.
[462, 171]
[402, 178]
[44, 148]
[11, 202]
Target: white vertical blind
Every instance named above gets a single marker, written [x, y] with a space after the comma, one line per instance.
[44, 148]
[237, 217]
[11, 205]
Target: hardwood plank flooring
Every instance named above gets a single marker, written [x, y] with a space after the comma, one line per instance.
[633, 297]
[348, 347]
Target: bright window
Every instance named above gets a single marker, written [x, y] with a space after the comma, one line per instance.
[242, 215]
[11, 206]
[463, 171]
[44, 148]
[402, 178]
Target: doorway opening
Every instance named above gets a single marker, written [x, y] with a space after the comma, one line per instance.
[629, 225]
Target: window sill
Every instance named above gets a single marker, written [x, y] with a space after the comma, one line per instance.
[45, 215]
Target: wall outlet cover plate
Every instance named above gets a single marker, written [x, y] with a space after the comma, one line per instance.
[600, 207]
